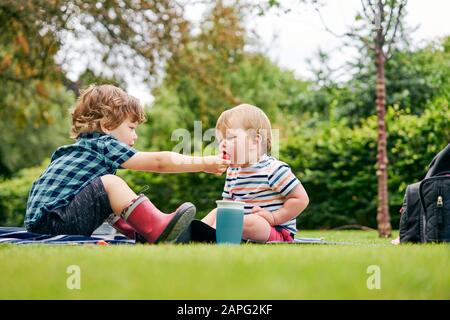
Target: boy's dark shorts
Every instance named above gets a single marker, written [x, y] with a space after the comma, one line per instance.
[87, 211]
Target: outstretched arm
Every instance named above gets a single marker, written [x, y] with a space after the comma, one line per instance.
[172, 162]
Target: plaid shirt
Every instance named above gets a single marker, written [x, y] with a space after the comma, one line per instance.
[72, 167]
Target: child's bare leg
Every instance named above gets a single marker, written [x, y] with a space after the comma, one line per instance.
[210, 218]
[256, 228]
[119, 193]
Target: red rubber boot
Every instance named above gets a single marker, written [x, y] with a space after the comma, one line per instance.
[120, 225]
[154, 225]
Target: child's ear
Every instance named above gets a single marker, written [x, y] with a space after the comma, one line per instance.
[103, 127]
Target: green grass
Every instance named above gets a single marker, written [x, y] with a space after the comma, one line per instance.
[230, 272]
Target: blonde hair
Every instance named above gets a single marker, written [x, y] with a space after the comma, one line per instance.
[249, 118]
[104, 105]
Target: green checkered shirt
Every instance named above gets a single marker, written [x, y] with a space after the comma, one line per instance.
[72, 167]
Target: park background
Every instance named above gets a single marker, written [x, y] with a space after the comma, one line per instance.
[195, 68]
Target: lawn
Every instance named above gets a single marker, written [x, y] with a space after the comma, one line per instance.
[230, 272]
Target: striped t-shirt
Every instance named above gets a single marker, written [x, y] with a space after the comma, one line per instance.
[264, 184]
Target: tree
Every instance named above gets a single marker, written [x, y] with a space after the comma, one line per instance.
[385, 17]
[39, 39]
[213, 72]
[415, 76]
[377, 27]
[134, 35]
[206, 62]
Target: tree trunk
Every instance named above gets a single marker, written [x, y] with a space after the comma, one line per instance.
[383, 217]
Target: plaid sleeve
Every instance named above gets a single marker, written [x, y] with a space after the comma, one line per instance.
[281, 179]
[116, 153]
[226, 194]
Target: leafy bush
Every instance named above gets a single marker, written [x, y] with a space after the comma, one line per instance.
[337, 163]
[14, 195]
[32, 124]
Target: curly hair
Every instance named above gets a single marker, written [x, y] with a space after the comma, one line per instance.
[104, 106]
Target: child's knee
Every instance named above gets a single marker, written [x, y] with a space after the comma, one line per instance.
[251, 221]
[210, 218]
[255, 228]
[110, 181]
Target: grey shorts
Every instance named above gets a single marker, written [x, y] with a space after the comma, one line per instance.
[85, 213]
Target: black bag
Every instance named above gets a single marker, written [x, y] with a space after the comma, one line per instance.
[425, 214]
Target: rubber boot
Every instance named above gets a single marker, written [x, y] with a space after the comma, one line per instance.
[154, 225]
[120, 225]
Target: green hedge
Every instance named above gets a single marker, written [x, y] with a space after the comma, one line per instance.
[14, 194]
[336, 164]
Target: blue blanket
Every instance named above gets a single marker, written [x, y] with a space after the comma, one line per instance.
[21, 236]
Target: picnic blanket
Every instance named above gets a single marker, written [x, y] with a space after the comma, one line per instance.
[197, 232]
[22, 236]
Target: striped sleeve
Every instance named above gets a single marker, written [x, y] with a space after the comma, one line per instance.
[226, 194]
[281, 179]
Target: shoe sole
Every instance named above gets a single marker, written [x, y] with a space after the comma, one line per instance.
[180, 222]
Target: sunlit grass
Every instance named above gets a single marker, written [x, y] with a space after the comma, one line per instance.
[230, 272]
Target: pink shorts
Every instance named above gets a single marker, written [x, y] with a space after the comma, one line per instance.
[280, 234]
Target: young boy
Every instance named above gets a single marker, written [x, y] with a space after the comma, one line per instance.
[79, 189]
[273, 196]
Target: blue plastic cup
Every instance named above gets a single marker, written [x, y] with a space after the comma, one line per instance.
[229, 222]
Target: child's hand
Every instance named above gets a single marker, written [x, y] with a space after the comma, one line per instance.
[265, 214]
[215, 164]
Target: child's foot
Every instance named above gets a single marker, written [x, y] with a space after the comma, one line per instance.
[396, 241]
[156, 226]
[181, 220]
